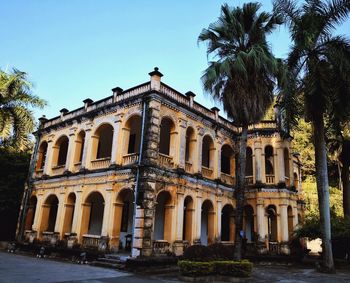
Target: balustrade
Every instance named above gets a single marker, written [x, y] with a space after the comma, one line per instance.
[50, 237]
[100, 163]
[161, 247]
[39, 173]
[228, 179]
[58, 170]
[91, 241]
[77, 166]
[166, 160]
[207, 172]
[188, 167]
[270, 179]
[249, 180]
[287, 180]
[131, 158]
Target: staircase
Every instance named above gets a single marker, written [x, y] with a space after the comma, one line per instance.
[113, 261]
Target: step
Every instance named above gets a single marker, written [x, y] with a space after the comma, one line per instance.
[107, 264]
[109, 260]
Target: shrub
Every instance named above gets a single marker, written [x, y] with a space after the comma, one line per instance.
[241, 268]
[195, 268]
[197, 253]
[221, 252]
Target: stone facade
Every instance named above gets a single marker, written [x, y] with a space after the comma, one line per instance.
[150, 171]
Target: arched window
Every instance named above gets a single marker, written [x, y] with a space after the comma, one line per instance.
[61, 150]
[105, 140]
[166, 142]
[163, 219]
[79, 147]
[190, 148]
[208, 152]
[272, 222]
[188, 219]
[227, 160]
[41, 156]
[94, 210]
[49, 213]
[134, 127]
[227, 223]
[207, 225]
[249, 162]
[269, 163]
[69, 213]
[248, 216]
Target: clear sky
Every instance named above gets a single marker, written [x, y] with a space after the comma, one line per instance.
[77, 49]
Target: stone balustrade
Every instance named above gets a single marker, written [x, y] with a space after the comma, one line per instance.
[100, 163]
[131, 158]
[161, 247]
[270, 179]
[227, 179]
[249, 180]
[166, 160]
[58, 170]
[188, 167]
[207, 172]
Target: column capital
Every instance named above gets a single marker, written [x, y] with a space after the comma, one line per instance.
[259, 202]
[72, 131]
[182, 123]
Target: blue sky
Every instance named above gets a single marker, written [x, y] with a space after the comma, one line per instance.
[75, 49]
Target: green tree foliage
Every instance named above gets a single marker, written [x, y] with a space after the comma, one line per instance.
[241, 78]
[13, 173]
[16, 116]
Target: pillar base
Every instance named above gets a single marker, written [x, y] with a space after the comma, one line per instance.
[284, 249]
[197, 242]
[261, 248]
[72, 240]
[178, 247]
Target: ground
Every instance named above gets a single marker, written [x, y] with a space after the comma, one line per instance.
[19, 268]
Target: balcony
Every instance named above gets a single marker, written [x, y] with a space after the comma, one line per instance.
[38, 173]
[58, 170]
[100, 163]
[166, 160]
[249, 180]
[207, 172]
[131, 158]
[188, 167]
[270, 179]
[227, 179]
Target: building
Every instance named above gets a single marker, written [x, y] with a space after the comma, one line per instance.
[177, 157]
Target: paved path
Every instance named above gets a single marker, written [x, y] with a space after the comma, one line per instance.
[17, 269]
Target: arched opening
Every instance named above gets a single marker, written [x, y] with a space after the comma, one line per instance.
[286, 166]
[190, 149]
[227, 160]
[272, 223]
[69, 214]
[227, 223]
[290, 222]
[41, 156]
[248, 221]
[166, 142]
[249, 166]
[208, 152]
[124, 214]
[163, 217]
[49, 214]
[60, 151]
[132, 139]
[93, 210]
[104, 135]
[296, 180]
[188, 219]
[207, 223]
[269, 165]
[30, 213]
[79, 148]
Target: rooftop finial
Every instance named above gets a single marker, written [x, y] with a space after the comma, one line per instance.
[156, 72]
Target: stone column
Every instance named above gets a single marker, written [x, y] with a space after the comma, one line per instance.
[49, 155]
[106, 212]
[218, 219]
[258, 161]
[217, 159]
[198, 166]
[116, 131]
[71, 150]
[261, 221]
[180, 216]
[77, 212]
[198, 220]
[60, 214]
[295, 216]
[183, 128]
[284, 228]
[279, 169]
[37, 215]
[85, 163]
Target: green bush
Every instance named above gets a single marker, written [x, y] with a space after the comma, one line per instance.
[196, 268]
[241, 268]
[219, 251]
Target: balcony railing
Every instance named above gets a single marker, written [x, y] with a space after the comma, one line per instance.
[228, 179]
[38, 173]
[161, 247]
[50, 237]
[270, 179]
[131, 158]
[166, 160]
[249, 180]
[188, 167]
[207, 172]
[95, 242]
[101, 163]
[58, 170]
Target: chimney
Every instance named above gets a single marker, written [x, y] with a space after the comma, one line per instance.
[87, 102]
[155, 79]
[63, 111]
[216, 112]
[116, 91]
[190, 96]
[42, 121]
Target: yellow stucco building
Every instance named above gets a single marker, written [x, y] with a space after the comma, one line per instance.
[176, 158]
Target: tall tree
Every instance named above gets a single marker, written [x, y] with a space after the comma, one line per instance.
[16, 118]
[242, 78]
[317, 67]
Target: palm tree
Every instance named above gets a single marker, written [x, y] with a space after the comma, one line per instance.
[16, 119]
[318, 67]
[242, 78]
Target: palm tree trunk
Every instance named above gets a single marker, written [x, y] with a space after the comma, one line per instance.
[346, 189]
[237, 253]
[323, 191]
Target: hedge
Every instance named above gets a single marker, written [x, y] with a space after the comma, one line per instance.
[241, 268]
